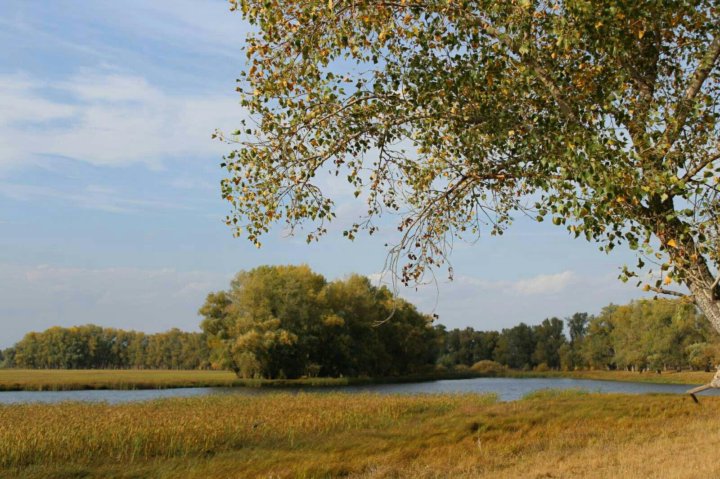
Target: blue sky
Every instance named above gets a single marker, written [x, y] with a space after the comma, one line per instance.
[110, 209]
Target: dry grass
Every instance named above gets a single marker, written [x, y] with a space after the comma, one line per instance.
[667, 377]
[64, 379]
[549, 435]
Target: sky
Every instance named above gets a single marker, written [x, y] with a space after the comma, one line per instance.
[110, 208]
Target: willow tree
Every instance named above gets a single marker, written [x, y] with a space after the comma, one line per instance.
[456, 115]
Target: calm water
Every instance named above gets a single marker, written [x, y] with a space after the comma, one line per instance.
[508, 389]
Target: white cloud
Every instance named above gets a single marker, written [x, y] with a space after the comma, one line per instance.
[91, 197]
[21, 105]
[110, 87]
[544, 283]
[37, 297]
[495, 304]
[201, 25]
[108, 119]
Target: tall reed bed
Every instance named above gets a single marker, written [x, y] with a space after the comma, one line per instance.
[90, 433]
[549, 434]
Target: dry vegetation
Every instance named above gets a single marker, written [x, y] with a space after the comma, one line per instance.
[666, 377]
[80, 379]
[549, 434]
[65, 379]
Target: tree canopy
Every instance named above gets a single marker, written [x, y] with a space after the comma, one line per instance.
[458, 114]
[95, 347]
[287, 322]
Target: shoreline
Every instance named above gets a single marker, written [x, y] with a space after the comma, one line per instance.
[98, 379]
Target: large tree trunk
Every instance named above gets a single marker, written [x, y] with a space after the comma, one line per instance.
[704, 290]
[701, 284]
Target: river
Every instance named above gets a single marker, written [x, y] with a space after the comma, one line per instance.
[507, 389]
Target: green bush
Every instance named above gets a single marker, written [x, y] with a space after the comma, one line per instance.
[490, 368]
[542, 367]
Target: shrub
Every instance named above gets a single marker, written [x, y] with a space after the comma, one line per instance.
[490, 368]
[542, 367]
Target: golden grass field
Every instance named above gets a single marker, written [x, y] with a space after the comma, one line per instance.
[547, 435]
[64, 379]
[61, 379]
[667, 377]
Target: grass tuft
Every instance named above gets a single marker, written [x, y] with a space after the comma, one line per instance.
[553, 393]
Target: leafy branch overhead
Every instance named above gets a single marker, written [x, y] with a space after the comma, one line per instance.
[601, 116]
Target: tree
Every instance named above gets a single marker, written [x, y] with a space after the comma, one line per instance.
[577, 327]
[571, 353]
[598, 348]
[8, 360]
[515, 347]
[549, 338]
[653, 334]
[263, 325]
[465, 346]
[600, 115]
[94, 347]
[287, 321]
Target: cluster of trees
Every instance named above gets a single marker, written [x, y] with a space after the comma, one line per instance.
[520, 347]
[7, 357]
[287, 322]
[659, 334]
[94, 347]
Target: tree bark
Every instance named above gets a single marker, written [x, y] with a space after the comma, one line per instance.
[701, 284]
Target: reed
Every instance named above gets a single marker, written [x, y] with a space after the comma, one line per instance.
[548, 434]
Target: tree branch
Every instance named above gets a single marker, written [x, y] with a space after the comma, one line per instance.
[667, 291]
[541, 73]
[701, 166]
[683, 107]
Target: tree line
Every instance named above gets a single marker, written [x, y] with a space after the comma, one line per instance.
[290, 322]
[95, 347]
[643, 335]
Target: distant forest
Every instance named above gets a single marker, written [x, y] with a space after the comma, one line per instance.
[94, 347]
[656, 335]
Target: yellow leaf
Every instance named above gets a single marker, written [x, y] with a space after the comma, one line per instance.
[672, 243]
[668, 280]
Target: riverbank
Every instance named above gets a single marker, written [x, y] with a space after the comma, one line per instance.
[665, 377]
[71, 380]
[98, 379]
[547, 434]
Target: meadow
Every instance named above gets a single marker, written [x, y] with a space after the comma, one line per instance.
[64, 379]
[549, 434]
[73, 379]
